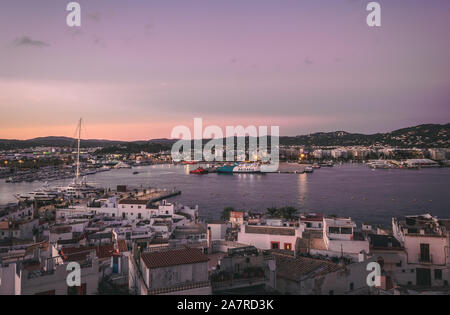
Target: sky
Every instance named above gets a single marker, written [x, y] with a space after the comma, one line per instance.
[136, 69]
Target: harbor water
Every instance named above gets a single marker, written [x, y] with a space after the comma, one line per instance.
[351, 190]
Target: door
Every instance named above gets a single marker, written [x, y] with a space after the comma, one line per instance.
[423, 277]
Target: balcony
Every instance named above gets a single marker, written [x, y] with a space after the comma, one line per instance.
[425, 259]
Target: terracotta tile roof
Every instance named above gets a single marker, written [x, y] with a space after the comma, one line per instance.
[236, 214]
[122, 246]
[173, 258]
[270, 230]
[81, 253]
[311, 243]
[76, 253]
[302, 268]
[4, 225]
[105, 251]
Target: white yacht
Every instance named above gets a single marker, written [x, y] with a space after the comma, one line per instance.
[39, 195]
[247, 168]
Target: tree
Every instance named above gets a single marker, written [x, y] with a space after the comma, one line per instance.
[273, 212]
[226, 213]
[288, 213]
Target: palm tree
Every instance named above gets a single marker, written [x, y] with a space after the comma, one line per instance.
[273, 212]
[226, 213]
[289, 213]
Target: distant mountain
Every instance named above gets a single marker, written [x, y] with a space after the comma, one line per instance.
[426, 136]
[54, 142]
[431, 135]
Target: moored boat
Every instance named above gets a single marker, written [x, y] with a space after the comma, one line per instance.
[247, 168]
[199, 171]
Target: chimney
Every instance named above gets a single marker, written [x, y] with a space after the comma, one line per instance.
[362, 256]
[208, 240]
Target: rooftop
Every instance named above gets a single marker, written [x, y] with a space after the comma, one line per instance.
[169, 258]
[133, 202]
[270, 230]
[383, 242]
[423, 225]
[300, 268]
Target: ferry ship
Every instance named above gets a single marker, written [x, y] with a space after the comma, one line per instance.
[247, 168]
[227, 169]
[239, 168]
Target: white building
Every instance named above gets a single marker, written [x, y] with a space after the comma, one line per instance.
[218, 230]
[167, 272]
[341, 239]
[269, 237]
[42, 275]
[426, 241]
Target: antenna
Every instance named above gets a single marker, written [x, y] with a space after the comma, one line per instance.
[77, 174]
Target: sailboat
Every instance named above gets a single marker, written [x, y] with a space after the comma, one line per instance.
[79, 187]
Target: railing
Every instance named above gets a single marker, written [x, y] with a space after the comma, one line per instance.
[182, 287]
[238, 282]
[425, 259]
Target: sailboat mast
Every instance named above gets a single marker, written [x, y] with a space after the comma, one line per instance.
[77, 175]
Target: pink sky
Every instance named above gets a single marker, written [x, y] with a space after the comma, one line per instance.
[135, 70]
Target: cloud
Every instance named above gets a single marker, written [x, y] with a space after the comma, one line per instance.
[27, 41]
[95, 16]
[308, 61]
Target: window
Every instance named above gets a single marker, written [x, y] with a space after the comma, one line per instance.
[425, 252]
[139, 216]
[346, 230]
[352, 286]
[333, 230]
[139, 207]
[275, 245]
[437, 274]
[287, 246]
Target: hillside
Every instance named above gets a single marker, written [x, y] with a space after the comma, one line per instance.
[425, 136]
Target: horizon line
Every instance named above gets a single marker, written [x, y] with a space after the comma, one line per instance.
[153, 139]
